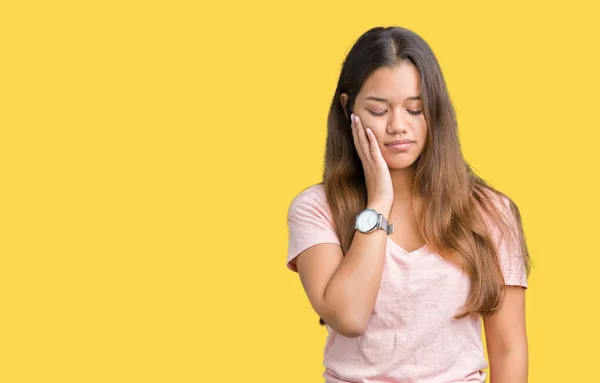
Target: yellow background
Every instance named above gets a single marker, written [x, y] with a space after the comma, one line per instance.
[150, 149]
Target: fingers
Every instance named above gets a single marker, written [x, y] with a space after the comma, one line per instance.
[367, 138]
[373, 145]
[355, 137]
[360, 139]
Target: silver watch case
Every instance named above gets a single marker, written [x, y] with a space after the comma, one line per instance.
[369, 219]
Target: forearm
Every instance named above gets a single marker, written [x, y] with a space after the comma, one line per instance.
[352, 290]
[509, 367]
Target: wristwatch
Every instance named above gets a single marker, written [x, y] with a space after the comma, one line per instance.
[369, 219]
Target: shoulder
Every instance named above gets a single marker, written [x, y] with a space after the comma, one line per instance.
[508, 237]
[500, 213]
[312, 198]
[500, 202]
[504, 222]
[309, 221]
[316, 192]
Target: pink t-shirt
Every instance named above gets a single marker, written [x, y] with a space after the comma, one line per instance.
[412, 336]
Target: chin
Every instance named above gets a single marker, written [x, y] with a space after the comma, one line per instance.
[398, 165]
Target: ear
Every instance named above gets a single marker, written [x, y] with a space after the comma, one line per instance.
[344, 101]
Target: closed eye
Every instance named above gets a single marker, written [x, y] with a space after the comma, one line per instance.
[413, 112]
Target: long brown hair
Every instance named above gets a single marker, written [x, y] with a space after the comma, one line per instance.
[457, 210]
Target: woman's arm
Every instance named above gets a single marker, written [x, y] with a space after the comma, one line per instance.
[506, 339]
[343, 290]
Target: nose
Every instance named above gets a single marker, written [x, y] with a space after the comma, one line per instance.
[397, 122]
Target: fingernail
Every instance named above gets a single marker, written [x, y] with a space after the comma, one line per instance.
[352, 117]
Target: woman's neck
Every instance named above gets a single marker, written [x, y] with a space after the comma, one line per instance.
[402, 180]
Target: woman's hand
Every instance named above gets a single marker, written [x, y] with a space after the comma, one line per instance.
[380, 192]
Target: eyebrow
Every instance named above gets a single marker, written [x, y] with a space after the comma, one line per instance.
[385, 100]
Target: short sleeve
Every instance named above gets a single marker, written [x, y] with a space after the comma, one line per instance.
[509, 250]
[309, 223]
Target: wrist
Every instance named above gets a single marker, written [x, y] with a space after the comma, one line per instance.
[381, 208]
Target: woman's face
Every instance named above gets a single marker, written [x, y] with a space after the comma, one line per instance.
[389, 103]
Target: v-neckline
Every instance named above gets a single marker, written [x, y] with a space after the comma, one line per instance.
[408, 253]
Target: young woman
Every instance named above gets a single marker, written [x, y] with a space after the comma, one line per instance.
[402, 250]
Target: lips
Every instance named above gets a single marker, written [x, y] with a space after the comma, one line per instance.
[400, 142]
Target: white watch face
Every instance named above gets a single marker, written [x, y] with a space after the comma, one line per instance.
[367, 220]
